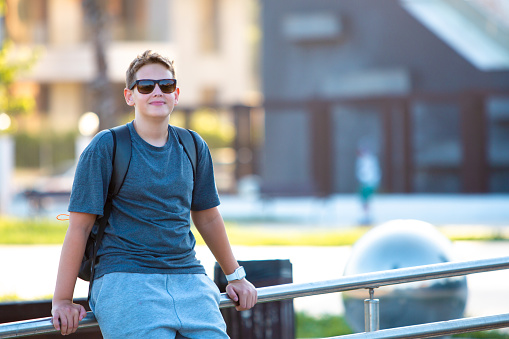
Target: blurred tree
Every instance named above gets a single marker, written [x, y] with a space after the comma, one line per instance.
[2, 28]
[101, 88]
[12, 102]
[215, 128]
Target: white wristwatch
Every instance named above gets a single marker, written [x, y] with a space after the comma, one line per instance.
[239, 274]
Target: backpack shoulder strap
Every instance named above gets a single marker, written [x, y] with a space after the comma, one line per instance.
[186, 138]
[121, 157]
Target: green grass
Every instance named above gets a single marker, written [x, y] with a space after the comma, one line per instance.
[9, 298]
[307, 326]
[14, 297]
[484, 334]
[46, 231]
[286, 236]
[31, 231]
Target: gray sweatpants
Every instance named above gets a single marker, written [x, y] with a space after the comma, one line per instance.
[133, 305]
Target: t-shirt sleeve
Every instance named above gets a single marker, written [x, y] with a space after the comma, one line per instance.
[92, 177]
[205, 194]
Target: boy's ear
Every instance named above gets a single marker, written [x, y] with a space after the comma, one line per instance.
[177, 94]
[128, 95]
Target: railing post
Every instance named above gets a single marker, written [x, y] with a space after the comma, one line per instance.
[371, 313]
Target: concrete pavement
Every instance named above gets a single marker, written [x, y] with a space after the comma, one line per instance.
[345, 210]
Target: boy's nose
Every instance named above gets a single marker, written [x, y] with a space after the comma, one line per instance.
[157, 90]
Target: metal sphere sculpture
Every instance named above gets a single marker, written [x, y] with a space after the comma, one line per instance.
[399, 244]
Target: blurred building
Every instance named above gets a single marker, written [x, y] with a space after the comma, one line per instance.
[213, 44]
[424, 85]
[210, 41]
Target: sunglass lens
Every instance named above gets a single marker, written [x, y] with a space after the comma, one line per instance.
[167, 86]
[146, 86]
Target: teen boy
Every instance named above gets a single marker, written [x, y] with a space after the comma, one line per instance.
[148, 282]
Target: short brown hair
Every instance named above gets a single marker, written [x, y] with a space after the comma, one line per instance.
[148, 57]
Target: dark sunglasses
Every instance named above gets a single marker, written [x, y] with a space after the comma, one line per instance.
[146, 86]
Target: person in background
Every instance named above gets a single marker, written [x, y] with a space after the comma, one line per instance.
[368, 175]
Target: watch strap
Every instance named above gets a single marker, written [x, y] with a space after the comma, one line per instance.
[238, 274]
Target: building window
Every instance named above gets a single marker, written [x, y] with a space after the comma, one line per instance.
[27, 21]
[137, 20]
[498, 141]
[210, 26]
[209, 95]
[437, 153]
[42, 99]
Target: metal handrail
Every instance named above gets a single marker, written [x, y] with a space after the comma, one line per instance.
[436, 329]
[376, 279]
[289, 291]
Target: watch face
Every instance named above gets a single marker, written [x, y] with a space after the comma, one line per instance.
[239, 273]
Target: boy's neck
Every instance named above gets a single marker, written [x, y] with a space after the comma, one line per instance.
[155, 133]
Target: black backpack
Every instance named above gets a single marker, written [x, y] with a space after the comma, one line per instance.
[121, 160]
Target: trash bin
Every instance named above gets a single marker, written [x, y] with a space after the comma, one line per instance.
[272, 320]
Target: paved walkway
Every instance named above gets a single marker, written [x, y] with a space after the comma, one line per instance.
[30, 272]
[345, 210]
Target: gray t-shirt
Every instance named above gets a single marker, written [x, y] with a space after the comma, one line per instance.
[149, 226]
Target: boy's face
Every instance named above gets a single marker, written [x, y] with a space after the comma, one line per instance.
[156, 104]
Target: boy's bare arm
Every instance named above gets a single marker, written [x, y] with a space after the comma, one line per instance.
[211, 227]
[66, 314]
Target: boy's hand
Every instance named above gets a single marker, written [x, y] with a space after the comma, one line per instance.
[243, 293]
[67, 315]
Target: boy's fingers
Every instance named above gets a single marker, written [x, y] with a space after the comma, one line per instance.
[243, 302]
[249, 302]
[232, 293]
[241, 306]
[75, 321]
[246, 295]
[67, 321]
[63, 325]
[56, 322]
[75, 318]
[83, 313]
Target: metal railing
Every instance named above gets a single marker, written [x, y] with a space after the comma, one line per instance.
[436, 329]
[347, 283]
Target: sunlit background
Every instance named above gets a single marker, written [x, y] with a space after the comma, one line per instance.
[61, 59]
[332, 113]
[285, 93]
